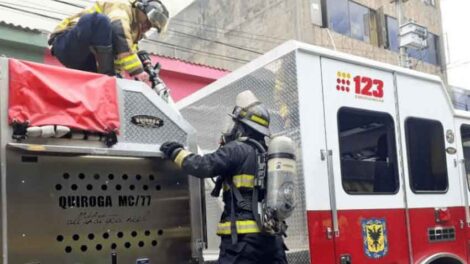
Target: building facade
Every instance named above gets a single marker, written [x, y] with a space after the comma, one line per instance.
[22, 42]
[228, 33]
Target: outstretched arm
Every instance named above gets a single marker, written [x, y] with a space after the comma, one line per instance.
[220, 162]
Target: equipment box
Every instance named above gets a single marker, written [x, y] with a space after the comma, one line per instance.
[75, 200]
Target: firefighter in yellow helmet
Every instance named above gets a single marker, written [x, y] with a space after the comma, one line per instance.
[243, 240]
[103, 38]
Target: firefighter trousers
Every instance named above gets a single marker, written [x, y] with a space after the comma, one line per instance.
[72, 47]
[253, 249]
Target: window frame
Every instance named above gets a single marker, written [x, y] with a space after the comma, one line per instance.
[393, 160]
[369, 10]
[327, 8]
[328, 25]
[410, 178]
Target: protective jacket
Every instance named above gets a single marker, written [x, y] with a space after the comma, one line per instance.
[125, 27]
[236, 162]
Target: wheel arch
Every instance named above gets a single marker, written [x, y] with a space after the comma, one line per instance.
[443, 256]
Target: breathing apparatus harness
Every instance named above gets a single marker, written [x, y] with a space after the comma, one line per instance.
[259, 189]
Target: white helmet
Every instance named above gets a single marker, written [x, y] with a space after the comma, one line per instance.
[251, 112]
[156, 12]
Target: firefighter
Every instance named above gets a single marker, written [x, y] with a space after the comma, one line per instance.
[236, 164]
[104, 38]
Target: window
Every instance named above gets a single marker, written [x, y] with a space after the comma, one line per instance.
[392, 33]
[426, 155]
[429, 54]
[430, 2]
[465, 132]
[432, 55]
[461, 98]
[359, 19]
[352, 19]
[367, 150]
[338, 16]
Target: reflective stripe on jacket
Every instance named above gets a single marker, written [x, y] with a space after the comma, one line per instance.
[242, 181]
[243, 227]
[126, 30]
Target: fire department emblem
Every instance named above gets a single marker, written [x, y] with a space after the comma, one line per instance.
[374, 233]
[343, 81]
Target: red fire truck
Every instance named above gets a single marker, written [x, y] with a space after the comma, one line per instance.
[381, 155]
[381, 152]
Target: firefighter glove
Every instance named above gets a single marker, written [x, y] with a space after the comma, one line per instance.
[170, 149]
[143, 77]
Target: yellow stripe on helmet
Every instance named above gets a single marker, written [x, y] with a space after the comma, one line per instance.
[259, 120]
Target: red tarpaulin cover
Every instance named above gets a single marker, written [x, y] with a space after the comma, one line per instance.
[48, 95]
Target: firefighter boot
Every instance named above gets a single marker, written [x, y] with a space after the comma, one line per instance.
[105, 59]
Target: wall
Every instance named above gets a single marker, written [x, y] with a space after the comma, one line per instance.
[260, 25]
[227, 23]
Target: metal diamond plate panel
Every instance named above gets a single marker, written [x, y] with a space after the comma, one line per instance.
[137, 104]
[276, 86]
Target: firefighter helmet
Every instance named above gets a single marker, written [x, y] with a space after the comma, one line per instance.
[251, 112]
[156, 12]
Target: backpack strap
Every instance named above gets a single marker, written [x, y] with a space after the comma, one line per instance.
[259, 186]
[233, 220]
[260, 177]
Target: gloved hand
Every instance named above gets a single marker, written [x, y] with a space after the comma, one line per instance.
[143, 77]
[169, 147]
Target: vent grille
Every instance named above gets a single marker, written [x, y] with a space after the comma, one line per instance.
[439, 234]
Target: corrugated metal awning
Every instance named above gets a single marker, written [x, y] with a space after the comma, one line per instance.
[40, 15]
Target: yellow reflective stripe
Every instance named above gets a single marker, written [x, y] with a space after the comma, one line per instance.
[129, 63]
[135, 47]
[181, 156]
[244, 180]
[259, 120]
[64, 23]
[98, 9]
[243, 227]
[241, 181]
[133, 66]
[127, 59]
